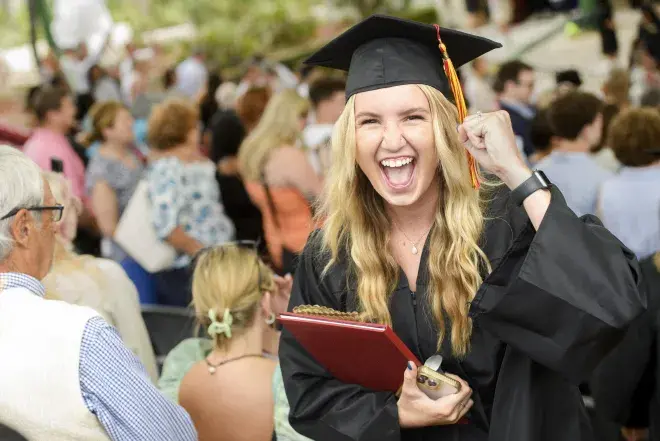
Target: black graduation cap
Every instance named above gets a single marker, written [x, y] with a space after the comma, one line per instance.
[383, 51]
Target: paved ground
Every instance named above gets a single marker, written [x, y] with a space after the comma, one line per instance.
[559, 52]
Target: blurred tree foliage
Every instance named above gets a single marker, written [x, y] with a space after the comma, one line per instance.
[227, 29]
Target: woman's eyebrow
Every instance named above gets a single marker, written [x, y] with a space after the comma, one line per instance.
[367, 114]
[413, 110]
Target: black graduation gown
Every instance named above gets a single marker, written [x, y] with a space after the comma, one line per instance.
[625, 385]
[555, 303]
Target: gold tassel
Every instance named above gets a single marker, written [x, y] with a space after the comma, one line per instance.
[457, 91]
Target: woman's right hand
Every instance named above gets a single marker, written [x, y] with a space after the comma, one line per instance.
[416, 409]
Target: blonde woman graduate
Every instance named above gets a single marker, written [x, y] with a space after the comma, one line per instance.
[520, 296]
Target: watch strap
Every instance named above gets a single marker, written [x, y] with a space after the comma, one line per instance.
[538, 181]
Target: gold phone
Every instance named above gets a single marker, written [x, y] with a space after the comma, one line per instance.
[434, 384]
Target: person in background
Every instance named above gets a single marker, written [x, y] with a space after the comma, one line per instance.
[100, 284]
[568, 80]
[255, 75]
[514, 85]
[645, 74]
[76, 63]
[541, 136]
[478, 90]
[603, 153]
[476, 14]
[327, 96]
[280, 179]
[103, 86]
[114, 172]
[126, 71]
[228, 130]
[576, 119]
[629, 204]
[651, 98]
[225, 95]
[141, 100]
[208, 105]
[169, 80]
[50, 67]
[616, 89]
[305, 75]
[185, 197]
[192, 75]
[236, 298]
[76, 358]
[55, 111]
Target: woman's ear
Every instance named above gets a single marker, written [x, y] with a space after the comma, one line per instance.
[266, 304]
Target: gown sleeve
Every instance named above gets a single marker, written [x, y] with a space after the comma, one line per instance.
[624, 383]
[563, 295]
[323, 408]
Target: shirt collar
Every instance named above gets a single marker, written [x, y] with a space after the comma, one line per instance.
[525, 110]
[20, 280]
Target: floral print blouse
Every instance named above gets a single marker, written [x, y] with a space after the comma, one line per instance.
[187, 195]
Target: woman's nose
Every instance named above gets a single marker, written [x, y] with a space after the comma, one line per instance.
[393, 137]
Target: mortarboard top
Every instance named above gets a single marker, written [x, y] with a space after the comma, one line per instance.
[383, 51]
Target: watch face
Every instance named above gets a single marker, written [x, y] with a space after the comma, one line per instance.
[543, 179]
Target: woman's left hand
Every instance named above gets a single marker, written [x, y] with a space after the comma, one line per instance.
[284, 284]
[489, 138]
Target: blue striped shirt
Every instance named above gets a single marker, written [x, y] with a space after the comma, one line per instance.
[114, 385]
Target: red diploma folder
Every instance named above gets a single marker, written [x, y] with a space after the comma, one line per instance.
[366, 354]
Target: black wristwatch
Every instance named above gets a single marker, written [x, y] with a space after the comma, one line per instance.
[538, 181]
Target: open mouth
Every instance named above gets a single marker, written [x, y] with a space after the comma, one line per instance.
[398, 172]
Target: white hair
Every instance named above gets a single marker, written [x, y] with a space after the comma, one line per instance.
[21, 185]
[225, 96]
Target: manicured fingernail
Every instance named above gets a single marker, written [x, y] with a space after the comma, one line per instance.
[410, 366]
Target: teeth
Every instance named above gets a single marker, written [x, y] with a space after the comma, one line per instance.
[396, 162]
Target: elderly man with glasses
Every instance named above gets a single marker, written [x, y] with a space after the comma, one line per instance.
[65, 373]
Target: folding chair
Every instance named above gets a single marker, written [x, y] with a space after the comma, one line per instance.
[168, 326]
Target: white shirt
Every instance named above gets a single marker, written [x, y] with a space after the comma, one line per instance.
[316, 138]
[191, 77]
[126, 78]
[75, 72]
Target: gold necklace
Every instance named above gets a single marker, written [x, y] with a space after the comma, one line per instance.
[414, 249]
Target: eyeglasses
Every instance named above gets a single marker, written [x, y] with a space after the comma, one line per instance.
[57, 210]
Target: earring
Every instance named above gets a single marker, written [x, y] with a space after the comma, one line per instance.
[271, 319]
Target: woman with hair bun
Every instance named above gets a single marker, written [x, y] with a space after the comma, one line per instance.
[236, 298]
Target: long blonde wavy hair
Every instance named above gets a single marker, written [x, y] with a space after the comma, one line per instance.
[279, 126]
[356, 221]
